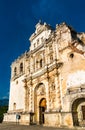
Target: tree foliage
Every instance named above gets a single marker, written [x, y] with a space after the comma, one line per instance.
[3, 109]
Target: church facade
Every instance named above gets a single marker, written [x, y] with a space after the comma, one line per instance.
[47, 85]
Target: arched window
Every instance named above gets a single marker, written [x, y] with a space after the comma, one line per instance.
[21, 67]
[15, 71]
[40, 63]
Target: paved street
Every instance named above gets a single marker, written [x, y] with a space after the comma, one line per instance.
[34, 127]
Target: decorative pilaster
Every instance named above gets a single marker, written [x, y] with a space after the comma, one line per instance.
[46, 54]
[47, 91]
[30, 98]
[26, 96]
[56, 49]
[54, 46]
[31, 63]
[57, 75]
[58, 94]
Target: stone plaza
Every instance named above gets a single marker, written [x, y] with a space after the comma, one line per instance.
[8, 126]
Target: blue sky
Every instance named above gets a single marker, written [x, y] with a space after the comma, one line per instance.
[17, 22]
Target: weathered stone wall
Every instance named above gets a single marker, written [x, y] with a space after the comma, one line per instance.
[10, 117]
[52, 119]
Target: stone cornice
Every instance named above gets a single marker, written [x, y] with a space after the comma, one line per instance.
[44, 70]
[18, 76]
[76, 89]
[40, 72]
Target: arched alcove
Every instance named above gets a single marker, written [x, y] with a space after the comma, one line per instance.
[78, 112]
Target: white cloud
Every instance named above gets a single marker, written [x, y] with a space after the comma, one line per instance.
[5, 97]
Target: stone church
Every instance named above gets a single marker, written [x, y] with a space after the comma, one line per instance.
[47, 85]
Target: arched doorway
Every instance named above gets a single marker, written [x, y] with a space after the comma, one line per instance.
[78, 112]
[42, 107]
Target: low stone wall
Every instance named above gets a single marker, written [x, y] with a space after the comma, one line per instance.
[25, 119]
[60, 119]
[66, 119]
[52, 119]
[11, 117]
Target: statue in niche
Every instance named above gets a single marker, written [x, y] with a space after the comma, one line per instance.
[41, 90]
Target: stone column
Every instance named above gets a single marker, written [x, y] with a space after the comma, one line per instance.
[46, 54]
[26, 96]
[58, 94]
[47, 76]
[30, 96]
[47, 91]
[47, 95]
[57, 76]
[31, 63]
[31, 100]
[60, 81]
[56, 50]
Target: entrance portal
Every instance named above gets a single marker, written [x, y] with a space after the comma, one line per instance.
[42, 107]
[78, 112]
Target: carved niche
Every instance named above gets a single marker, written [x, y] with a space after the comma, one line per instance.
[52, 85]
[40, 89]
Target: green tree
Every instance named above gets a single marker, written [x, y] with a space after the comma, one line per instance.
[3, 109]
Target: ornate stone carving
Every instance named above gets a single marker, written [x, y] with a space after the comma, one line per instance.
[52, 86]
[41, 90]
